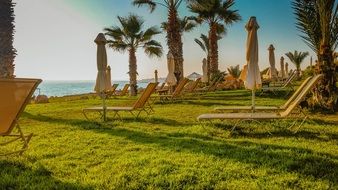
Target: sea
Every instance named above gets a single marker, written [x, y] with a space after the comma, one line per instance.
[65, 88]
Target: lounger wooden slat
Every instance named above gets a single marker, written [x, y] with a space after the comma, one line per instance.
[267, 108]
[140, 105]
[261, 115]
[15, 95]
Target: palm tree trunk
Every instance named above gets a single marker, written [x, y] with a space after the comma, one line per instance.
[132, 72]
[174, 41]
[326, 92]
[208, 66]
[213, 49]
[7, 51]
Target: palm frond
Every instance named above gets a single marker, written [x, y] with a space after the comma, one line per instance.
[119, 46]
[149, 33]
[153, 51]
[151, 4]
[200, 43]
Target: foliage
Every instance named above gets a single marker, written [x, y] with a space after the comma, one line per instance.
[7, 51]
[297, 58]
[312, 23]
[234, 71]
[318, 22]
[129, 37]
[186, 25]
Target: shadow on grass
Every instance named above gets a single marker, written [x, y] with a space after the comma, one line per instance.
[18, 176]
[291, 159]
[93, 124]
[302, 161]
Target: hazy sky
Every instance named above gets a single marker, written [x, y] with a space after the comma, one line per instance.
[55, 38]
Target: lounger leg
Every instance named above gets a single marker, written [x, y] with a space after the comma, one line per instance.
[24, 138]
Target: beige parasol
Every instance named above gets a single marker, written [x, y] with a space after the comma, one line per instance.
[171, 79]
[156, 76]
[272, 61]
[108, 73]
[282, 72]
[101, 84]
[205, 70]
[253, 78]
[286, 70]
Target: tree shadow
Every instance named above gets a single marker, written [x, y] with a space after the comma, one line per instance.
[303, 161]
[85, 124]
[19, 176]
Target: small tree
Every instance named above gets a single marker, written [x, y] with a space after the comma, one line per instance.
[297, 58]
[129, 37]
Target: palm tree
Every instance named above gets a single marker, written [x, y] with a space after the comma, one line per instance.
[217, 14]
[7, 51]
[317, 20]
[297, 58]
[130, 36]
[234, 71]
[174, 35]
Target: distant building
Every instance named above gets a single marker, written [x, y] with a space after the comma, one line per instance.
[194, 76]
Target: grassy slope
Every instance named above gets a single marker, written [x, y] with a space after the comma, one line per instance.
[170, 149]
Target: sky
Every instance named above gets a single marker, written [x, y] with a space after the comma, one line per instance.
[55, 38]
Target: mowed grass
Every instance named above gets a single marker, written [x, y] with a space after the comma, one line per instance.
[170, 149]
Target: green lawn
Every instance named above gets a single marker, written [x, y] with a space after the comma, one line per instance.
[170, 149]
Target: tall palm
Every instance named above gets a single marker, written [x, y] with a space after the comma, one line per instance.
[297, 58]
[318, 22]
[217, 14]
[129, 37]
[174, 35]
[7, 51]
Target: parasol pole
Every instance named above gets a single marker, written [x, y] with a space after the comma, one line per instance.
[104, 106]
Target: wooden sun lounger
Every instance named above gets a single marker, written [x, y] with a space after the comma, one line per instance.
[287, 86]
[177, 92]
[212, 87]
[140, 105]
[263, 115]
[15, 95]
[191, 86]
[124, 91]
[111, 92]
[266, 108]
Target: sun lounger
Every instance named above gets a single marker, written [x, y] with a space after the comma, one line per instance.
[124, 91]
[177, 92]
[15, 95]
[140, 105]
[111, 92]
[287, 86]
[191, 86]
[266, 108]
[212, 87]
[263, 115]
[160, 87]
